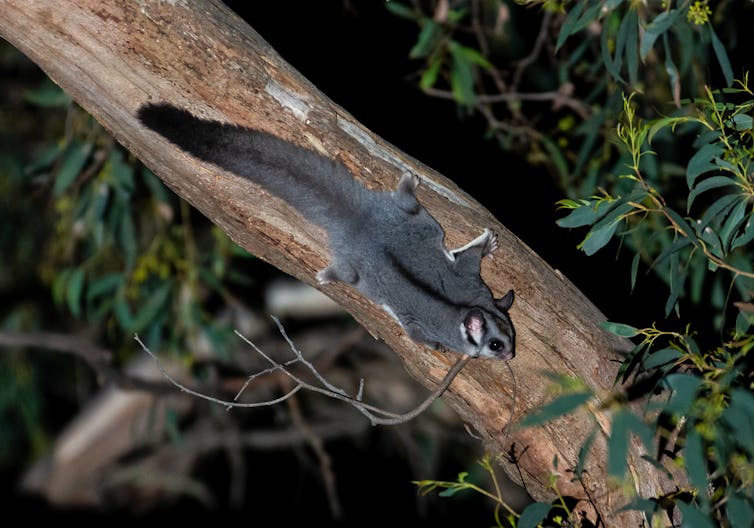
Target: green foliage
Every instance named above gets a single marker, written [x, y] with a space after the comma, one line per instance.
[555, 108]
[706, 400]
[145, 276]
[681, 240]
[535, 514]
[639, 32]
[110, 245]
[665, 174]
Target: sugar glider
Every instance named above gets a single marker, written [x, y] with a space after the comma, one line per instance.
[384, 244]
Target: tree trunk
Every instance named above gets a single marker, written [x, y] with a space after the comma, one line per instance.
[112, 56]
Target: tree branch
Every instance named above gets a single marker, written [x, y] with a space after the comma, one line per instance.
[99, 359]
[113, 56]
[376, 415]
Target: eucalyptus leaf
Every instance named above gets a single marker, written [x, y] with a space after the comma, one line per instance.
[556, 408]
[733, 223]
[120, 172]
[400, 10]
[604, 230]
[619, 329]
[427, 41]
[127, 236]
[701, 162]
[661, 357]
[655, 29]
[663, 123]
[632, 46]
[147, 311]
[475, 57]
[429, 76]
[743, 323]
[696, 466]
[45, 158]
[740, 418]
[742, 122]
[707, 136]
[589, 16]
[713, 182]
[73, 162]
[672, 71]
[461, 76]
[597, 239]
[449, 492]
[677, 245]
[693, 517]
[677, 279]
[682, 224]
[155, 185]
[569, 24]
[630, 363]
[722, 56]
[74, 289]
[635, 269]
[104, 285]
[533, 514]
[48, 95]
[612, 66]
[617, 444]
[740, 511]
[585, 214]
[620, 41]
[719, 209]
[556, 158]
[684, 387]
[584, 452]
[59, 286]
[122, 310]
[747, 235]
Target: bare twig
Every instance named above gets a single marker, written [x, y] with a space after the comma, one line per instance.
[558, 98]
[376, 415]
[228, 404]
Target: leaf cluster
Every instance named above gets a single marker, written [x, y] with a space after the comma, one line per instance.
[686, 237]
[115, 270]
[532, 516]
[673, 186]
[553, 92]
[111, 246]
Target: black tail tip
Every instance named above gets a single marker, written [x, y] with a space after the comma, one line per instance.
[161, 116]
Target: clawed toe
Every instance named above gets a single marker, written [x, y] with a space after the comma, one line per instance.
[490, 245]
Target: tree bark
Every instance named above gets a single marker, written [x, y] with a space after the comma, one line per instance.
[112, 56]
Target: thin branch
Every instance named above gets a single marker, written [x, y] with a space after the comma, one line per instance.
[99, 359]
[376, 415]
[370, 411]
[226, 403]
[266, 439]
[69, 344]
[558, 97]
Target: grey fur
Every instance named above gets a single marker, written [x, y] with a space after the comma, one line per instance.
[385, 244]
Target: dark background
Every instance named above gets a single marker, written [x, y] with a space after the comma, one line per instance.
[357, 55]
